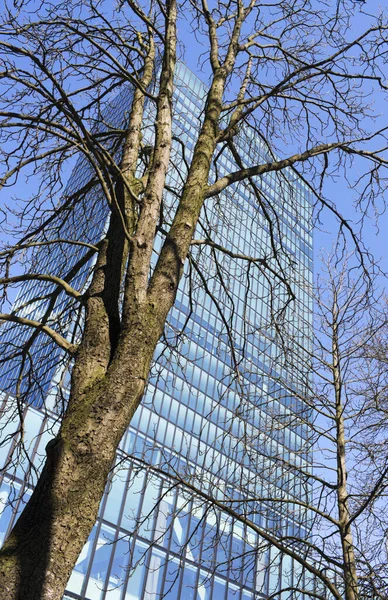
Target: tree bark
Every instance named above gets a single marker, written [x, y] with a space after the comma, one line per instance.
[113, 361]
[43, 547]
[348, 556]
[37, 559]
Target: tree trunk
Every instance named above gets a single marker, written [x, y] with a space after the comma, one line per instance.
[111, 367]
[39, 555]
[348, 557]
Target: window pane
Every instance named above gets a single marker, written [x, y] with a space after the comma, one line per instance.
[100, 564]
[155, 575]
[5, 508]
[132, 502]
[136, 579]
[118, 569]
[78, 575]
[219, 588]
[172, 578]
[115, 497]
[189, 583]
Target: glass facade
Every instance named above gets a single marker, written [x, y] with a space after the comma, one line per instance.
[219, 411]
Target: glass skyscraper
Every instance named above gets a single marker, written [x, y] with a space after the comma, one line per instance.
[219, 411]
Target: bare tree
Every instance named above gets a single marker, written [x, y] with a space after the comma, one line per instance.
[287, 73]
[345, 382]
[342, 466]
[351, 407]
[345, 479]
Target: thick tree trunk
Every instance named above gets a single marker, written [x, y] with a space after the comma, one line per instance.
[38, 557]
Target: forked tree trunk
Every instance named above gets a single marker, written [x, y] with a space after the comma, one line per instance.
[112, 364]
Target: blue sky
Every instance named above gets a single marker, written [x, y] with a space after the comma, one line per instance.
[374, 231]
[373, 235]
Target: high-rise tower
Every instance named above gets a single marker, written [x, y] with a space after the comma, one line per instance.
[218, 413]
